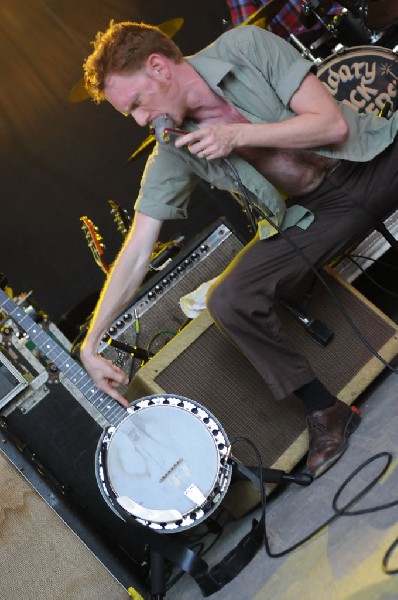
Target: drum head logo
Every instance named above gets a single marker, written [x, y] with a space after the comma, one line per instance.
[364, 79]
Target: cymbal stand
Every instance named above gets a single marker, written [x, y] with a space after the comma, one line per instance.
[304, 50]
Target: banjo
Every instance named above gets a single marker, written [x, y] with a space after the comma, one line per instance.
[163, 462]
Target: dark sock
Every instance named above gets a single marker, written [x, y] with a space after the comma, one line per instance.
[315, 396]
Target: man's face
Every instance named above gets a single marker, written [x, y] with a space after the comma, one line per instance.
[143, 95]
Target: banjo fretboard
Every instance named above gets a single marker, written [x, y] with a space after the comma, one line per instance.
[113, 412]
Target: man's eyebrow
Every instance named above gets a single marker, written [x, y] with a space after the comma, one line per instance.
[134, 103]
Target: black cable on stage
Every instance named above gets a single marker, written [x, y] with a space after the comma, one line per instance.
[378, 260]
[370, 278]
[387, 557]
[338, 512]
[339, 304]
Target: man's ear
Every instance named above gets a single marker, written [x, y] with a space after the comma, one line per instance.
[157, 66]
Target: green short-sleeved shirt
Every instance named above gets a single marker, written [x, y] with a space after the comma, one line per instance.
[258, 73]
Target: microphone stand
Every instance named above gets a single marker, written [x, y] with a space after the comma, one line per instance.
[157, 575]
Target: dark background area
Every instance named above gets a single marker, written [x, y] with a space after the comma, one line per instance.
[62, 160]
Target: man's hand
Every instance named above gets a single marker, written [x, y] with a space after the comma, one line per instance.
[211, 142]
[105, 374]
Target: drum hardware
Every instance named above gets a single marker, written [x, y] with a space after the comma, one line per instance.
[313, 11]
[304, 50]
[378, 15]
[345, 29]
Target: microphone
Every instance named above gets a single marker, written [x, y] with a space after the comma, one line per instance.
[162, 127]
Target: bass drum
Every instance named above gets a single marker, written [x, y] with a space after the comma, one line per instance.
[363, 77]
[165, 465]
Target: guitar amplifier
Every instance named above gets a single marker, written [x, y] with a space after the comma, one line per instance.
[156, 316]
[41, 556]
[52, 423]
[202, 364]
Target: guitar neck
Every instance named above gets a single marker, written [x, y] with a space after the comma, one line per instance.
[113, 412]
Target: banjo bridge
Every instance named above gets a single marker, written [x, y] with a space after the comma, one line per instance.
[163, 477]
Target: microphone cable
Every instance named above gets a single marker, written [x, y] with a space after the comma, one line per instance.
[248, 203]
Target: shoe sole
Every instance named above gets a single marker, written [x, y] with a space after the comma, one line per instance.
[351, 426]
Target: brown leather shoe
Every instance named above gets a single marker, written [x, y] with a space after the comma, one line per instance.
[329, 430]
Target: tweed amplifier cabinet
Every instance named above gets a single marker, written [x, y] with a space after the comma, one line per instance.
[202, 364]
[41, 556]
[156, 316]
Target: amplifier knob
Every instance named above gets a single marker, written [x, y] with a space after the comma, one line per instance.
[180, 268]
[194, 256]
[204, 248]
[127, 317]
[151, 295]
[112, 330]
[187, 262]
[158, 288]
[119, 324]
[165, 282]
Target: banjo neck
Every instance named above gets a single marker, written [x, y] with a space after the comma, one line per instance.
[113, 412]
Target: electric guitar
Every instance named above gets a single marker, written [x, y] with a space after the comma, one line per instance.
[121, 217]
[95, 243]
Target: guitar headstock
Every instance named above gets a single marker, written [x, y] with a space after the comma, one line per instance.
[95, 242]
[121, 217]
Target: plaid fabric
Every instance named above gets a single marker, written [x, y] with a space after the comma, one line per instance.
[286, 21]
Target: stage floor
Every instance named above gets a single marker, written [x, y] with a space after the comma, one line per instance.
[344, 560]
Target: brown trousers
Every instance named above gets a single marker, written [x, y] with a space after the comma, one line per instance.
[346, 207]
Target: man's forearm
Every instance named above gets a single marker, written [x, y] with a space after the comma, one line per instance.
[121, 286]
[125, 278]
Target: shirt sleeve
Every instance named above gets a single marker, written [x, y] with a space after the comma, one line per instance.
[166, 185]
[281, 64]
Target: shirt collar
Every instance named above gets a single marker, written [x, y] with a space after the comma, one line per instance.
[213, 70]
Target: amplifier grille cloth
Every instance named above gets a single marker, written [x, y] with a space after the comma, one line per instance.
[166, 315]
[213, 372]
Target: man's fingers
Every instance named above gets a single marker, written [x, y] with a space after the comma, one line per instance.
[118, 375]
[108, 386]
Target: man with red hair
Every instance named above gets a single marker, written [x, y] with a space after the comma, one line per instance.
[320, 173]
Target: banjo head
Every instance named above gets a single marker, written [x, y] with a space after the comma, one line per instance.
[166, 464]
